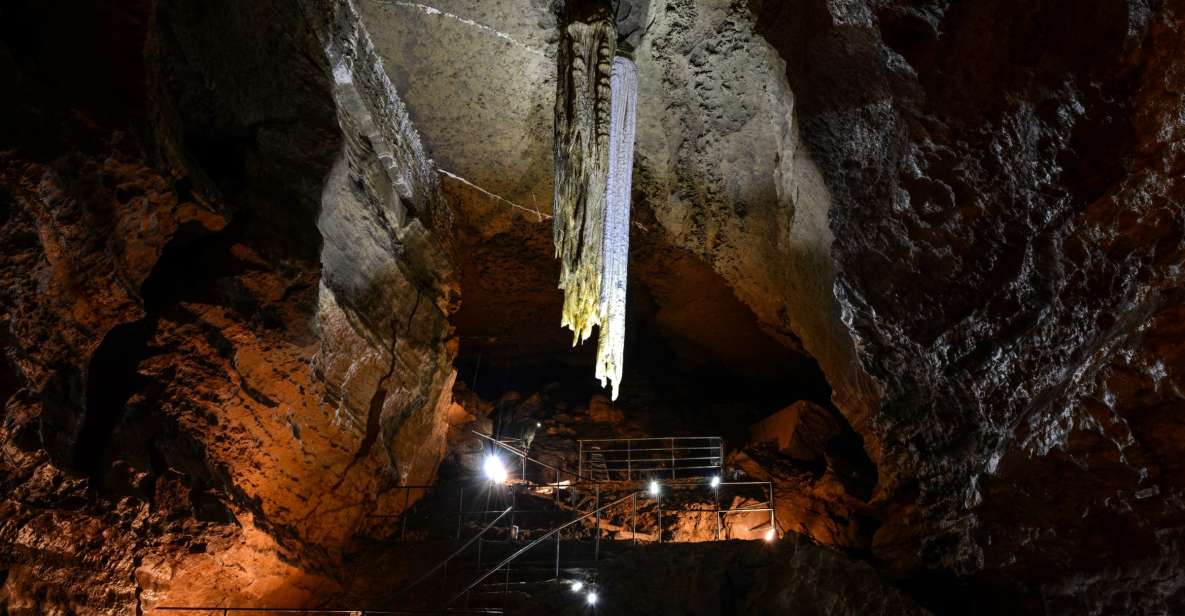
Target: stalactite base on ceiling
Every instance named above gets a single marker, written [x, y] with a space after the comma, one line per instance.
[594, 139]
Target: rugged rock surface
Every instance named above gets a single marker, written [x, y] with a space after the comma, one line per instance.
[229, 267]
[221, 346]
[717, 169]
[1007, 215]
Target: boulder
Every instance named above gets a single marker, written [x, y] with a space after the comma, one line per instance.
[800, 430]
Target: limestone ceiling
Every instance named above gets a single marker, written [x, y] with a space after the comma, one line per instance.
[478, 77]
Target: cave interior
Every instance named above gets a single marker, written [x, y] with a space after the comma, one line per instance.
[280, 285]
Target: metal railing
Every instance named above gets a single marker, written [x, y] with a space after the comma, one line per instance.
[227, 611]
[645, 458]
[628, 459]
[553, 532]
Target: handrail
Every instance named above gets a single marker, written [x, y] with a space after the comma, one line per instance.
[453, 555]
[668, 455]
[527, 547]
[646, 438]
[522, 454]
[313, 611]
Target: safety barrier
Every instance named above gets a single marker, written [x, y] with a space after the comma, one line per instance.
[646, 458]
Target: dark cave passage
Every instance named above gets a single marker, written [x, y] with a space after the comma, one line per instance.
[697, 363]
[693, 350]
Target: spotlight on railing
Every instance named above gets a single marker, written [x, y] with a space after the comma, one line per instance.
[495, 470]
[591, 597]
[654, 488]
[715, 483]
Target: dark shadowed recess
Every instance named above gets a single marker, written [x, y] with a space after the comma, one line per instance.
[691, 345]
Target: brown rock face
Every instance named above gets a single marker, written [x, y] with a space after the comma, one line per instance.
[221, 346]
[800, 430]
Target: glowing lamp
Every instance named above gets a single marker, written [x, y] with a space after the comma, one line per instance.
[494, 469]
[591, 597]
[715, 483]
[770, 535]
[654, 488]
[577, 586]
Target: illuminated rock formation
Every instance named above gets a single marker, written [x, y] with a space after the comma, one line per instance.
[615, 261]
[596, 102]
[582, 164]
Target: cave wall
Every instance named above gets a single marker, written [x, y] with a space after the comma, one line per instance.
[226, 288]
[1006, 185]
[722, 167]
[229, 266]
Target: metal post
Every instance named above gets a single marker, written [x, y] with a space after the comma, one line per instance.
[770, 485]
[717, 491]
[672, 458]
[506, 589]
[480, 541]
[403, 514]
[580, 459]
[557, 556]
[629, 460]
[460, 510]
[658, 504]
[597, 538]
[634, 516]
[557, 484]
[513, 510]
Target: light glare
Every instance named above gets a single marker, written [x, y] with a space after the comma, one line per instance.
[654, 489]
[770, 535]
[577, 586]
[592, 598]
[494, 469]
[715, 482]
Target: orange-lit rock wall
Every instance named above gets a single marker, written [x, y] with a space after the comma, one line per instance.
[225, 326]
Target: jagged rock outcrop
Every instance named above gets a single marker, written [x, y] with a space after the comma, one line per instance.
[1007, 215]
[225, 324]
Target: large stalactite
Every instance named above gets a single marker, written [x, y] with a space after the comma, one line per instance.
[586, 229]
[616, 241]
[582, 161]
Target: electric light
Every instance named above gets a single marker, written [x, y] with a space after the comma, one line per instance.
[715, 481]
[770, 535]
[577, 586]
[654, 489]
[494, 469]
[592, 597]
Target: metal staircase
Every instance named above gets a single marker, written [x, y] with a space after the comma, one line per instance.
[515, 540]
